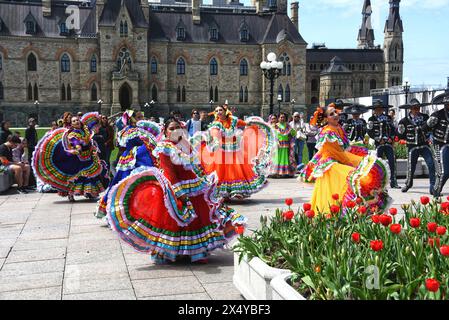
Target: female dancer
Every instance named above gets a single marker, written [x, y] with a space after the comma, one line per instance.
[338, 168]
[67, 159]
[172, 211]
[284, 164]
[139, 142]
[238, 151]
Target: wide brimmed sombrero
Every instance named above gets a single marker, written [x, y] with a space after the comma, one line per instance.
[340, 104]
[413, 103]
[356, 109]
[377, 103]
[441, 98]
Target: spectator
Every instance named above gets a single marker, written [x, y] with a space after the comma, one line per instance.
[20, 153]
[194, 124]
[204, 117]
[20, 170]
[79, 114]
[298, 125]
[311, 133]
[107, 132]
[54, 125]
[31, 137]
[4, 131]
[67, 118]
[139, 115]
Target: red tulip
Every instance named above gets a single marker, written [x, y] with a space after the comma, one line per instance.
[393, 211]
[445, 205]
[362, 210]
[239, 229]
[356, 237]
[447, 198]
[385, 220]
[310, 214]
[432, 226]
[432, 242]
[425, 200]
[335, 196]
[306, 206]
[359, 200]
[375, 218]
[444, 250]
[441, 230]
[415, 222]
[350, 204]
[395, 228]
[288, 215]
[396, 139]
[289, 201]
[432, 285]
[376, 245]
[335, 209]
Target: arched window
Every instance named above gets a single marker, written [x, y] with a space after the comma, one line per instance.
[178, 94]
[154, 93]
[153, 66]
[1, 91]
[246, 94]
[396, 52]
[373, 67]
[69, 92]
[65, 63]
[287, 94]
[1, 62]
[123, 28]
[31, 62]
[211, 94]
[289, 69]
[284, 69]
[244, 34]
[361, 85]
[124, 57]
[93, 64]
[241, 94]
[30, 92]
[36, 92]
[372, 84]
[63, 96]
[216, 93]
[314, 86]
[213, 66]
[183, 94]
[280, 92]
[180, 66]
[243, 67]
[93, 92]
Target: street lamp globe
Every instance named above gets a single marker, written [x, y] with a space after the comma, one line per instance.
[271, 57]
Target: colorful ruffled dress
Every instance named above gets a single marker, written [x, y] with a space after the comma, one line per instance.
[139, 142]
[284, 164]
[349, 171]
[239, 152]
[171, 211]
[56, 164]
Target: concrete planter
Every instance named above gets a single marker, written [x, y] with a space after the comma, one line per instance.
[282, 290]
[5, 181]
[253, 278]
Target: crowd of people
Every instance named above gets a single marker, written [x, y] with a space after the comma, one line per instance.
[165, 192]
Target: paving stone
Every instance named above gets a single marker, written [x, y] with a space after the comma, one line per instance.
[35, 255]
[74, 285]
[102, 295]
[164, 287]
[4, 251]
[10, 282]
[222, 291]
[86, 245]
[52, 293]
[41, 244]
[88, 256]
[137, 259]
[44, 235]
[2, 261]
[188, 296]
[98, 270]
[212, 274]
[33, 267]
[158, 271]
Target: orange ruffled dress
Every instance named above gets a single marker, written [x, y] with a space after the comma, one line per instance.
[349, 171]
[239, 152]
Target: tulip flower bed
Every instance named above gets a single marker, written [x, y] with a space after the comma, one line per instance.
[360, 255]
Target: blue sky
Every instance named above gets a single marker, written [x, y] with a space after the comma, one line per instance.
[426, 24]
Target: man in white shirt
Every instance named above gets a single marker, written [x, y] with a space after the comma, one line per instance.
[298, 125]
[194, 124]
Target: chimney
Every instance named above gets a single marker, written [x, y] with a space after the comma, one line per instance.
[196, 17]
[99, 10]
[46, 8]
[282, 6]
[145, 9]
[294, 8]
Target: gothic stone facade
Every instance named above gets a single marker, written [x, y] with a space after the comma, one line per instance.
[129, 53]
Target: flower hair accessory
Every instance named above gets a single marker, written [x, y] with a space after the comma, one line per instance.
[318, 117]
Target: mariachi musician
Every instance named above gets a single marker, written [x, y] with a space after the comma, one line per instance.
[356, 127]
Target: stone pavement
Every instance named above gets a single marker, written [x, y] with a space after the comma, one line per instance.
[53, 249]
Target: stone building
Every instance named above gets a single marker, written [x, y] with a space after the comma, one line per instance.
[347, 73]
[111, 55]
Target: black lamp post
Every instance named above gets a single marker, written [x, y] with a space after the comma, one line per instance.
[406, 88]
[99, 105]
[271, 70]
[279, 103]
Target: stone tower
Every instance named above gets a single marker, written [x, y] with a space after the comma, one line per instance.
[366, 33]
[393, 46]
